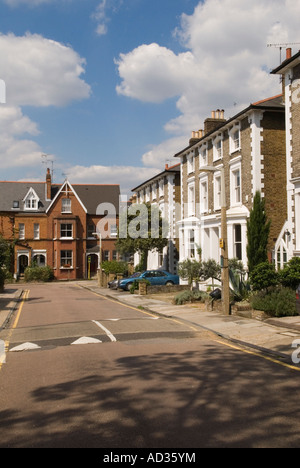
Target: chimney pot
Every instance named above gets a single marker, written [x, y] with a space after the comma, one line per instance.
[288, 53]
[48, 184]
[213, 114]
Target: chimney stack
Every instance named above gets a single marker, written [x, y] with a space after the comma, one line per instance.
[196, 136]
[48, 185]
[288, 53]
[215, 121]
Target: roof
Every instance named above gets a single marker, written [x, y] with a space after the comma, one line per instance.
[168, 170]
[16, 191]
[274, 103]
[90, 195]
[287, 64]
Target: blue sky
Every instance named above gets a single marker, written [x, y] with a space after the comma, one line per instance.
[111, 89]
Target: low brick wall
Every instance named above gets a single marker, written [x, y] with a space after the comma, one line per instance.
[247, 312]
[166, 289]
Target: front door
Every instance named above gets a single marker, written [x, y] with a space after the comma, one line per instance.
[23, 264]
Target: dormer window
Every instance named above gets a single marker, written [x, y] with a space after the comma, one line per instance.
[31, 201]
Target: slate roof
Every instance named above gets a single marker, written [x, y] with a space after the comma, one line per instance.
[90, 195]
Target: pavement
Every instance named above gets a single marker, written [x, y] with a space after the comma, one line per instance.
[273, 336]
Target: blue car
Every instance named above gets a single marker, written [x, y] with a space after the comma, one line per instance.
[155, 277]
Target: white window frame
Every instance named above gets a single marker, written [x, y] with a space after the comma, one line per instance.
[237, 242]
[161, 188]
[66, 260]
[235, 190]
[66, 230]
[203, 190]
[66, 207]
[31, 201]
[190, 159]
[203, 153]
[217, 191]
[218, 148]
[235, 143]
[21, 231]
[192, 243]
[191, 199]
[36, 231]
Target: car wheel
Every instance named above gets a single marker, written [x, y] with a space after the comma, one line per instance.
[128, 286]
[169, 283]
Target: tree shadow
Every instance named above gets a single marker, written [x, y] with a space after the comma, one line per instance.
[211, 397]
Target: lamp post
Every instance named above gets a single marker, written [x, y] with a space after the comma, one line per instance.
[223, 240]
[96, 234]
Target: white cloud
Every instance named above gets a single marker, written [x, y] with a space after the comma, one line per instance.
[226, 65]
[37, 72]
[129, 177]
[15, 151]
[41, 72]
[14, 3]
[102, 14]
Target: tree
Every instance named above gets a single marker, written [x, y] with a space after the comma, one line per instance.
[290, 275]
[189, 270]
[210, 269]
[258, 230]
[4, 260]
[264, 276]
[142, 229]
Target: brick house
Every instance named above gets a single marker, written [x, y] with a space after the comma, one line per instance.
[164, 191]
[250, 147]
[55, 225]
[288, 242]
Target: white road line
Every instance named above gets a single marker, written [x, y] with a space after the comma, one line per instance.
[109, 334]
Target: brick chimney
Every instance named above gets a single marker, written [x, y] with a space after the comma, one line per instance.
[196, 136]
[288, 53]
[215, 121]
[48, 184]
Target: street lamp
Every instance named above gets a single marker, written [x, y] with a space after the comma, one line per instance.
[223, 240]
[98, 234]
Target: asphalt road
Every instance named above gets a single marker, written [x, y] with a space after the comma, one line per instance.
[97, 374]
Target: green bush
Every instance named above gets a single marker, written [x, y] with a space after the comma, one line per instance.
[290, 275]
[190, 296]
[41, 274]
[115, 267]
[277, 302]
[264, 276]
[2, 278]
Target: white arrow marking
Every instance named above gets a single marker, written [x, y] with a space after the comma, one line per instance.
[86, 340]
[109, 334]
[25, 347]
[2, 352]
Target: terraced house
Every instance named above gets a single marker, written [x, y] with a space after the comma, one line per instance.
[250, 149]
[288, 242]
[55, 225]
[164, 191]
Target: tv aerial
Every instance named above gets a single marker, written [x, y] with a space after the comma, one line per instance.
[283, 46]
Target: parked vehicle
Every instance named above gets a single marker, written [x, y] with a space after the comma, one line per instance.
[113, 284]
[155, 277]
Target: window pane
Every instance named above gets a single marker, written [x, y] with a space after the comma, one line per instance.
[66, 230]
[66, 205]
[66, 258]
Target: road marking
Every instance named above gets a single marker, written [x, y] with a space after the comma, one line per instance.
[86, 340]
[109, 334]
[6, 346]
[253, 353]
[24, 347]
